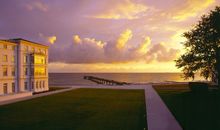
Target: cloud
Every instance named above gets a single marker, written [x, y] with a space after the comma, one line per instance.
[143, 47]
[150, 52]
[161, 53]
[48, 39]
[91, 50]
[76, 39]
[52, 39]
[116, 50]
[124, 9]
[191, 8]
[124, 38]
[37, 5]
[93, 41]
[84, 50]
[89, 41]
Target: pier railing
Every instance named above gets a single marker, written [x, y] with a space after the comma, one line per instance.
[104, 81]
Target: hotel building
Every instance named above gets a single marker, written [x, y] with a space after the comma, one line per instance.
[23, 67]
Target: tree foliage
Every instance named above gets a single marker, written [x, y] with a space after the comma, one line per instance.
[202, 48]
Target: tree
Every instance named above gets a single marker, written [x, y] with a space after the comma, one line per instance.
[202, 48]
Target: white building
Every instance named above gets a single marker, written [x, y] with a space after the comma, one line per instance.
[23, 67]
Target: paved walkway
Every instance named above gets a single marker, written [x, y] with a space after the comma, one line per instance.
[158, 115]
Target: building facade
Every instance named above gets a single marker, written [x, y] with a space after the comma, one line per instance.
[23, 67]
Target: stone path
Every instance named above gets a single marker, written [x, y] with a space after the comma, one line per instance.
[158, 115]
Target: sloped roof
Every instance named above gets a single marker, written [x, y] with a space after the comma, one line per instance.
[21, 39]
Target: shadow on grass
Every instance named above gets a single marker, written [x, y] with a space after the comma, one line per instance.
[194, 111]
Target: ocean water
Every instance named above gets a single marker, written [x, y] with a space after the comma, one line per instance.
[68, 79]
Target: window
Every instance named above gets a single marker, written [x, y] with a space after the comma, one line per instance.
[13, 87]
[26, 85]
[43, 84]
[13, 59]
[37, 85]
[5, 71]
[32, 72]
[13, 47]
[13, 71]
[32, 49]
[39, 59]
[32, 85]
[25, 48]
[39, 70]
[5, 88]
[44, 51]
[5, 46]
[5, 58]
[32, 59]
[26, 71]
[25, 58]
[40, 84]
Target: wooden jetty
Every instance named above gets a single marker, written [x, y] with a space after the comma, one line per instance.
[104, 81]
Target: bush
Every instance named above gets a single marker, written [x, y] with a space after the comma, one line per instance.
[198, 87]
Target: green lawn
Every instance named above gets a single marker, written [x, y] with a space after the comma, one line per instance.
[193, 111]
[81, 109]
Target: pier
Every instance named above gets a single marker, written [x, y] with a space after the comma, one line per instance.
[104, 81]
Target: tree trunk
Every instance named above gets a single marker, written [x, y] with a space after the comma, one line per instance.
[218, 66]
[218, 76]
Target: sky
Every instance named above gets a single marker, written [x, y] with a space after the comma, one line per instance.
[105, 35]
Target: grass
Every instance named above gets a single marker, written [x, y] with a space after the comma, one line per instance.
[193, 111]
[81, 109]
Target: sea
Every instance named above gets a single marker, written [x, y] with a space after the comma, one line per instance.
[68, 79]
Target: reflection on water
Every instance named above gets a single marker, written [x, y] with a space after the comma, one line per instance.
[66, 79]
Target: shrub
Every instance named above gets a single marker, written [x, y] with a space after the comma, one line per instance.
[198, 87]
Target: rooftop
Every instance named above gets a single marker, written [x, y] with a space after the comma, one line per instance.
[16, 40]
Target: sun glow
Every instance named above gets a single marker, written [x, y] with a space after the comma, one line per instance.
[131, 67]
